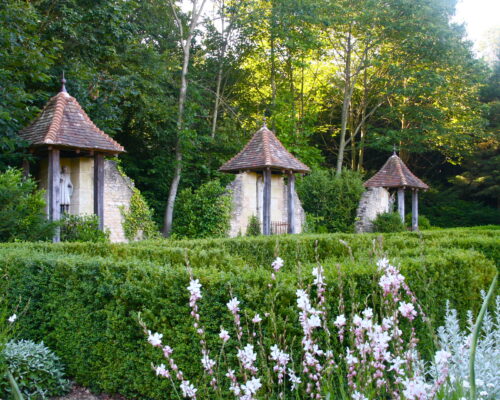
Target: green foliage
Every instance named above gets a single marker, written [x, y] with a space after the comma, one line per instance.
[423, 222]
[22, 209]
[388, 222]
[82, 228]
[253, 228]
[37, 370]
[203, 212]
[138, 219]
[332, 199]
[446, 209]
[84, 297]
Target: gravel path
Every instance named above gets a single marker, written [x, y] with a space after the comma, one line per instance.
[80, 393]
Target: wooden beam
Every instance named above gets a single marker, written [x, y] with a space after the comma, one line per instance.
[54, 184]
[266, 207]
[414, 210]
[401, 204]
[99, 188]
[291, 202]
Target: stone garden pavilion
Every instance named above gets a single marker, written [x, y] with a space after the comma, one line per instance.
[64, 135]
[261, 167]
[394, 174]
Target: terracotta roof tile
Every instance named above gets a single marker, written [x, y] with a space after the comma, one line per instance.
[395, 174]
[63, 122]
[264, 150]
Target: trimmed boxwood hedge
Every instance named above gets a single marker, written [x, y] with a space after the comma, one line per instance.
[84, 298]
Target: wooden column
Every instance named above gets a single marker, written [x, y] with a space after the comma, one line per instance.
[291, 203]
[401, 204]
[26, 168]
[266, 207]
[99, 188]
[414, 210]
[54, 184]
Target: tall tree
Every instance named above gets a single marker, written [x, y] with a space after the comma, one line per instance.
[186, 35]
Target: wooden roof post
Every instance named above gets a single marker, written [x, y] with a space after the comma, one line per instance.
[99, 188]
[266, 212]
[401, 203]
[414, 210]
[54, 183]
[291, 202]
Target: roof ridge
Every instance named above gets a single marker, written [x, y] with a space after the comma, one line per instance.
[60, 100]
[267, 154]
[400, 170]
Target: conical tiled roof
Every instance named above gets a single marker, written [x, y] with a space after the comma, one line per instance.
[263, 151]
[63, 123]
[395, 174]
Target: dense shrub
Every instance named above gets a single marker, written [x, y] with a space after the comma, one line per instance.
[332, 199]
[82, 228]
[85, 307]
[22, 209]
[423, 222]
[253, 228]
[36, 369]
[138, 220]
[204, 212]
[388, 222]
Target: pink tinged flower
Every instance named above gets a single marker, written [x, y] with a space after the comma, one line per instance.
[407, 310]
[279, 356]
[167, 351]
[415, 389]
[247, 357]
[230, 374]
[154, 339]
[383, 263]
[277, 264]
[256, 319]
[303, 302]
[161, 371]
[188, 390]
[233, 304]
[356, 320]
[12, 318]
[350, 359]
[224, 335]
[207, 363]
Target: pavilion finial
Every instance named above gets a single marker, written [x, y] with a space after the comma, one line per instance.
[394, 149]
[63, 82]
[264, 122]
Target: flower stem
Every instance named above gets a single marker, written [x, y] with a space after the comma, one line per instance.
[475, 338]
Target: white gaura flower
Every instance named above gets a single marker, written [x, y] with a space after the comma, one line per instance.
[277, 264]
[441, 357]
[340, 321]
[294, 379]
[12, 318]
[256, 319]
[154, 339]
[188, 390]
[160, 370]
[233, 304]
[314, 321]
[195, 288]
[358, 396]
[251, 387]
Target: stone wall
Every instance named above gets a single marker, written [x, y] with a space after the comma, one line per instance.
[247, 198]
[118, 190]
[374, 201]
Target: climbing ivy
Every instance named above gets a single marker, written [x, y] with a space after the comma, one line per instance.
[138, 219]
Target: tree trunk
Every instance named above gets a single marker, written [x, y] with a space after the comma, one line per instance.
[345, 105]
[219, 75]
